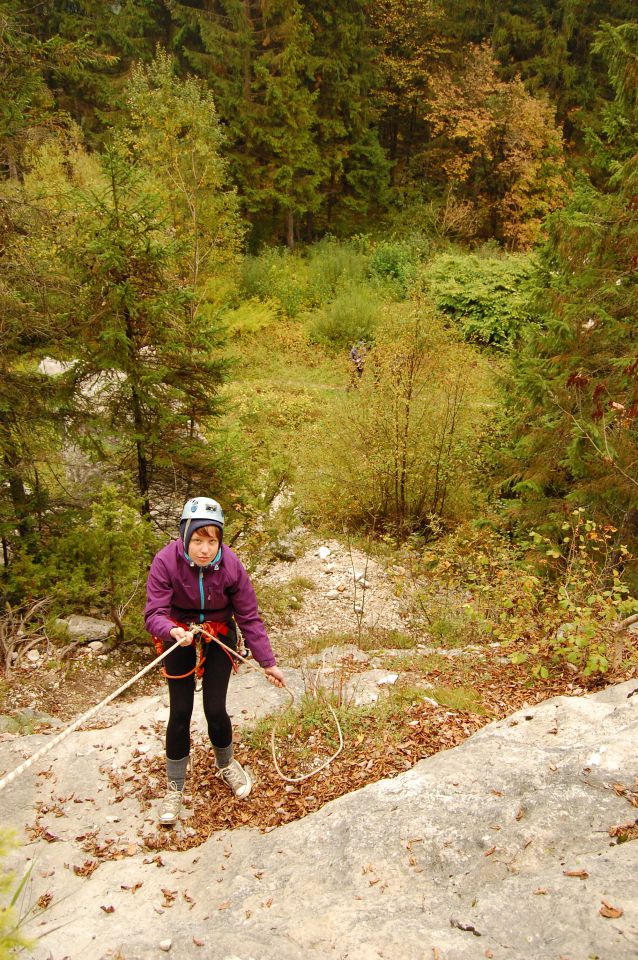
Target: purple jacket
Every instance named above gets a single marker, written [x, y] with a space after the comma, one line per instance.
[179, 590]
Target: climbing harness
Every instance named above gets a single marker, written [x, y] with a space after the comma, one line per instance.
[213, 629]
[306, 776]
[10, 777]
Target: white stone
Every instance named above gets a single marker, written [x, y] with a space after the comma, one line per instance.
[33, 656]
[333, 595]
[95, 646]
[391, 678]
[323, 552]
[165, 945]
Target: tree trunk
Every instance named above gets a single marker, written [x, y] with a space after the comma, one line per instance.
[290, 229]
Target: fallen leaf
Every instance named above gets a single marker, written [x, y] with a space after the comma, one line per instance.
[109, 909]
[488, 853]
[224, 905]
[607, 910]
[198, 941]
[581, 874]
[540, 891]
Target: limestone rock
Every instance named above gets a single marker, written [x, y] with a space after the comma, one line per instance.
[88, 628]
[499, 847]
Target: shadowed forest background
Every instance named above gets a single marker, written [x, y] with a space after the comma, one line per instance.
[204, 205]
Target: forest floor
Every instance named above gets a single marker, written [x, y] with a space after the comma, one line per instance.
[346, 634]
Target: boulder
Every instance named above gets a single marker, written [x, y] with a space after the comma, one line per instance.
[88, 628]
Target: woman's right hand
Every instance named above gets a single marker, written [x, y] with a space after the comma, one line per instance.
[185, 637]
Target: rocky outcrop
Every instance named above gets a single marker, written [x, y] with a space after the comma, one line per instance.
[507, 846]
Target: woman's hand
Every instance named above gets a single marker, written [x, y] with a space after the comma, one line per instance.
[185, 637]
[275, 676]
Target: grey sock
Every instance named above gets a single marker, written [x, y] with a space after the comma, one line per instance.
[223, 755]
[176, 771]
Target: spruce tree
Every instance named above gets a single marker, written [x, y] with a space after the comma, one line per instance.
[256, 58]
[148, 366]
[574, 396]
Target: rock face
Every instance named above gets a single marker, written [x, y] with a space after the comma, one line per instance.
[499, 848]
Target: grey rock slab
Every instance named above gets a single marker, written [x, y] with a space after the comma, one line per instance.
[466, 852]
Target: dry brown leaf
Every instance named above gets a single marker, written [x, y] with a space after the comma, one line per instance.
[581, 874]
[224, 905]
[198, 941]
[109, 909]
[609, 911]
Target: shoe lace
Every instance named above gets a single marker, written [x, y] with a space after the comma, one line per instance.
[172, 800]
[233, 775]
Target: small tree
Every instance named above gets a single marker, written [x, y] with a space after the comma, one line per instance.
[148, 367]
[106, 559]
[396, 455]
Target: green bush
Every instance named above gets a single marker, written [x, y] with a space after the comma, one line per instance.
[276, 275]
[489, 297]
[395, 263]
[333, 266]
[351, 316]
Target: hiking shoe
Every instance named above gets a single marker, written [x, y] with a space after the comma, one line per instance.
[236, 778]
[171, 806]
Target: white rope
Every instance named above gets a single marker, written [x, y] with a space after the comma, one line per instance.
[10, 777]
[305, 776]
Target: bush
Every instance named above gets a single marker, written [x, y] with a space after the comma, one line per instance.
[351, 316]
[276, 275]
[396, 452]
[394, 263]
[332, 267]
[490, 298]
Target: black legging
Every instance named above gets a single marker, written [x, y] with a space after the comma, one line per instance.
[217, 667]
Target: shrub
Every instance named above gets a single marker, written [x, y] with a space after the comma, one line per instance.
[395, 263]
[351, 316]
[490, 298]
[395, 453]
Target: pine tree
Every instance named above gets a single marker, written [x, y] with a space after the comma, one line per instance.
[255, 56]
[148, 366]
[574, 381]
[345, 80]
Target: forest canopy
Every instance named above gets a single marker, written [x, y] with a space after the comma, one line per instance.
[205, 204]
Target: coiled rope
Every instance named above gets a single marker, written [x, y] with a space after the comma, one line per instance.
[305, 776]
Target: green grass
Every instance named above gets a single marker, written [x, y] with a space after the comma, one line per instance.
[458, 698]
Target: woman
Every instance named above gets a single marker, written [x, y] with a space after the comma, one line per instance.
[198, 580]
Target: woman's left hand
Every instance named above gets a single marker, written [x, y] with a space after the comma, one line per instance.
[275, 676]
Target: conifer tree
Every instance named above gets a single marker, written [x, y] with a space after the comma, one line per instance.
[574, 380]
[255, 56]
[148, 366]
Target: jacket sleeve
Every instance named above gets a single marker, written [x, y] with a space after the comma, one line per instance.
[159, 597]
[246, 612]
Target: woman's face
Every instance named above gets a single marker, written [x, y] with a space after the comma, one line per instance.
[203, 547]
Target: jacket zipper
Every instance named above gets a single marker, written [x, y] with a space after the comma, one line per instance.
[201, 593]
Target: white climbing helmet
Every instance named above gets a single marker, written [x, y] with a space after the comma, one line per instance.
[200, 512]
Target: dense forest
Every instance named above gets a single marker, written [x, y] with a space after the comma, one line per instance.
[205, 204]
